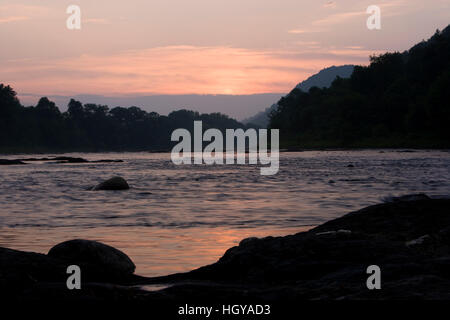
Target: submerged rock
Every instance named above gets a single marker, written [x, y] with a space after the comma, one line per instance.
[95, 253]
[5, 162]
[60, 159]
[115, 183]
[69, 160]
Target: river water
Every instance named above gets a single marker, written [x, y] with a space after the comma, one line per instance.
[176, 218]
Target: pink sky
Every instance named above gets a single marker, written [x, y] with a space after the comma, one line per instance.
[198, 46]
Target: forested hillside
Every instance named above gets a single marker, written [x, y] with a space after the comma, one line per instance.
[324, 78]
[399, 100]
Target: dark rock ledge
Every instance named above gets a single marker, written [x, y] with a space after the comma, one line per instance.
[409, 240]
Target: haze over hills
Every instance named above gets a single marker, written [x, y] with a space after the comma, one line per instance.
[325, 77]
[322, 79]
[236, 106]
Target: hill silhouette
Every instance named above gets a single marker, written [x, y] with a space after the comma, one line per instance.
[324, 78]
[399, 100]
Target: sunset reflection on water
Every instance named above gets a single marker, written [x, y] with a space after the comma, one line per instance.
[155, 252]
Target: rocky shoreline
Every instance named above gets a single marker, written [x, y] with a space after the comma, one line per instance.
[408, 238]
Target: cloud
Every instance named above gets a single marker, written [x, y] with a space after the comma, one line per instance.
[23, 8]
[306, 43]
[330, 4]
[96, 21]
[303, 31]
[298, 31]
[356, 52]
[13, 19]
[354, 47]
[20, 12]
[175, 70]
[389, 8]
[338, 18]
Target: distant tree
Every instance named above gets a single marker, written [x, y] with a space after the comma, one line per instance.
[75, 109]
[9, 103]
[47, 108]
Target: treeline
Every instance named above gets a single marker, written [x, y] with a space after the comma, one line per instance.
[92, 127]
[399, 100]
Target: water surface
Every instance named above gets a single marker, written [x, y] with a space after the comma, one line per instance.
[175, 218]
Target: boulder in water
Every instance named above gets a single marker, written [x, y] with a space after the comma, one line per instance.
[115, 183]
[95, 253]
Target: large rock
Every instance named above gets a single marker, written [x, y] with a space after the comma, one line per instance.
[409, 240]
[95, 253]
[115, 183]
[37, 278]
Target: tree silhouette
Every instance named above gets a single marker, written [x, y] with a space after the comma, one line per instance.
[399, 100]
[92, 127]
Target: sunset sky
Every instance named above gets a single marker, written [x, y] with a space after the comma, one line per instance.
[171, 47]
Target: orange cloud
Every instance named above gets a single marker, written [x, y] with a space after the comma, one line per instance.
[338, 18]
[13, 19]
[174, 70]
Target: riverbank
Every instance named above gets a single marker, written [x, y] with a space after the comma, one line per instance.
[409, 239]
